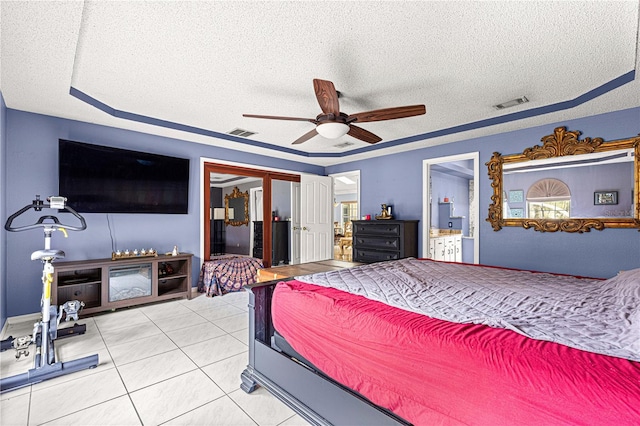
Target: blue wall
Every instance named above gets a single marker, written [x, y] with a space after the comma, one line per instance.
[457, 190]
[583, 182]
[281, 198]
[32, 163]
[397, 179]
[30, 158]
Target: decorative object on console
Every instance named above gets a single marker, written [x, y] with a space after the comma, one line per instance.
[165, 269]
[385, 213]
[128, 254]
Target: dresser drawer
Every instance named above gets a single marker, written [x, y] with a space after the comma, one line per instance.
[390, 229]
[369, 256]
[379, 243]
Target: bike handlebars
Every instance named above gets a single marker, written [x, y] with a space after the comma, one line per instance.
[38, 205]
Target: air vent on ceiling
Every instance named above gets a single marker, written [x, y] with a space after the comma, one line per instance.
[343, 144]
[241, 132]
[511, 103]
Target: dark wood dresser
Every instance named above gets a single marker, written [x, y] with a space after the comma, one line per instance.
[257, 239]
[379, 240]
[279, 241]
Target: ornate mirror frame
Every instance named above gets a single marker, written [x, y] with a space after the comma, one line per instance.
[562, 143]
[236, 194]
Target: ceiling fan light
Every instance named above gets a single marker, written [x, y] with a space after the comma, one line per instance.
[332, 130]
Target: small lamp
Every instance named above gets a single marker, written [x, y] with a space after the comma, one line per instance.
[218, 213]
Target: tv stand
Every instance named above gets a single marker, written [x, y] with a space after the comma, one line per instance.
[105, 284]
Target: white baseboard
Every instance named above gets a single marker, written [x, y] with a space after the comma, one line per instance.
[23, 318]
[37, 316]
[18, 319]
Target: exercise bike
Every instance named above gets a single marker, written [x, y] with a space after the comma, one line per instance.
[46, 331]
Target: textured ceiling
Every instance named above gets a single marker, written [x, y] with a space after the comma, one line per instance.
[191, 69]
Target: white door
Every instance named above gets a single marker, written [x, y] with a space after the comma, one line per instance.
[295, 223]
[316, 236]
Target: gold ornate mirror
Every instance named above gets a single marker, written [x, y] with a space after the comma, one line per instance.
[567, 185]
[236, 208]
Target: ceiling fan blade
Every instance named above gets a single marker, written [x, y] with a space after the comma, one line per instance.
[387, 114]
[362, 134]
[275, 117]
[305, 137]
[327, 96]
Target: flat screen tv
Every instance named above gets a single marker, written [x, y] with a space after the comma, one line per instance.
[100, 179]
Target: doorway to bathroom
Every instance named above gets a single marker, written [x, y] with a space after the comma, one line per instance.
[451, 208]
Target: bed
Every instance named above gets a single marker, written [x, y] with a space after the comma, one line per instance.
[228, 273]
[565, 351]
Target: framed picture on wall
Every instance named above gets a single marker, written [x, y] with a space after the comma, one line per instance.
[516, 196]
[605, 197]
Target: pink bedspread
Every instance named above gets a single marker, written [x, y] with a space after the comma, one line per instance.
[430, 371]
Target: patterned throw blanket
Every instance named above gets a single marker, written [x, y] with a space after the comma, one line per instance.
[601, 316]
[227, 273]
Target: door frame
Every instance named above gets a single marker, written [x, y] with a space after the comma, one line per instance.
[207, 165]
[426, 197]
[295, 229]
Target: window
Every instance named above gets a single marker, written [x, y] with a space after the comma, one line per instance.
[349, 211]
[549, 199]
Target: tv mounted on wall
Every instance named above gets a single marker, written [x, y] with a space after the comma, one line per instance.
[101, 179]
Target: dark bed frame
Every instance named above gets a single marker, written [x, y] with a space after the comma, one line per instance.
[314, 396]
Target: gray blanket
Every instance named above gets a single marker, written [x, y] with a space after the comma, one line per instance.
[601, 316]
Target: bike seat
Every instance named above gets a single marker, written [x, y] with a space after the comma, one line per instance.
[47, 254]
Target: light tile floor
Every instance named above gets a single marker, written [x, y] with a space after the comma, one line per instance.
[173, 363]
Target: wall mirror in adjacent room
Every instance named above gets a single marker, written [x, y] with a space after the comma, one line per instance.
[567, 184]
[236, 207]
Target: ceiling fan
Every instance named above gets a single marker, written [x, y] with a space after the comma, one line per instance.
[333, 124]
